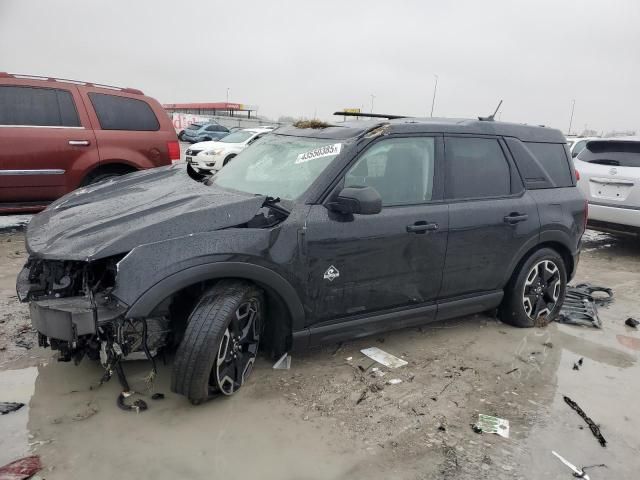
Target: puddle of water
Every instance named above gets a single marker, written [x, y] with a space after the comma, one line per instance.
[16, 386]
[14, 222]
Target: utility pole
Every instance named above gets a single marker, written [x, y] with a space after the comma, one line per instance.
[573, 106]
[435, 88]
[372, 97]
[228, 94]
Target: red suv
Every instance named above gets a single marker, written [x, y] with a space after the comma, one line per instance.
[57, 135]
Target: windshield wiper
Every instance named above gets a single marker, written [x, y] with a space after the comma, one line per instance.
[273, 203]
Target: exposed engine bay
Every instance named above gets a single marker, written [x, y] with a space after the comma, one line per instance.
[73, 309]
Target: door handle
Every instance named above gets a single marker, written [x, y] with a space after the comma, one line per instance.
[514, 218]
[421, 227]
[79, 143]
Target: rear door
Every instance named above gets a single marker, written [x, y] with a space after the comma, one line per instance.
[491, 216]
[45, 141]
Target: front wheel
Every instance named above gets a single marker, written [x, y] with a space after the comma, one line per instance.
[220, 343]
[534, 297]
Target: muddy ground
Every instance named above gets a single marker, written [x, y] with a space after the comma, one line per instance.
[326, 418]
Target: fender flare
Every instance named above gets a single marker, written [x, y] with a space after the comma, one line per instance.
[145, 304]
[547, 236]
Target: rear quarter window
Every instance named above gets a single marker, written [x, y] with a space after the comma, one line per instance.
[554, 160]
[123, 113]
[41, 107]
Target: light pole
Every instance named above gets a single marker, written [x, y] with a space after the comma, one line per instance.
[435, 88]
[372, 97]
[573, 106]
[228, 94]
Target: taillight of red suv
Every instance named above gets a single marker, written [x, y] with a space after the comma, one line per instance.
[174, 151]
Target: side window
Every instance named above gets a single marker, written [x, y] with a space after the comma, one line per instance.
[475, 168]
[42, 107]
[220, 128]
[400, 169]
[123, 113]
[553, 158]
[212, 128]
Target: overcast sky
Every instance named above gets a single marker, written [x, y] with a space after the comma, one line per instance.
[301, 57]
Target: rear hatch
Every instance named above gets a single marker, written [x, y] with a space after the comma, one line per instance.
[609, 172]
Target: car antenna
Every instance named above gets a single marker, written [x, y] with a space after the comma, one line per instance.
[492, 117]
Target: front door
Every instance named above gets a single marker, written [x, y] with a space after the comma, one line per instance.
[363, 264]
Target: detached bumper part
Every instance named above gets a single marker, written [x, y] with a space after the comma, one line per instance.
[68, 318]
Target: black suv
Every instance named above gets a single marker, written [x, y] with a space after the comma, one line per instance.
[310, 235]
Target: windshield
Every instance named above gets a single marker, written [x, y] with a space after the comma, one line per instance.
[278, 166]
[238, 137]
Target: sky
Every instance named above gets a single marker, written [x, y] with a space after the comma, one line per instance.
[306, 59]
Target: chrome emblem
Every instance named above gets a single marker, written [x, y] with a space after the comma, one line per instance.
[613, 171]
[331, 274]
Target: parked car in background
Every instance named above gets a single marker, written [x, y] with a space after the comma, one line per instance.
[212, 156]
[609, 171]
[577, 144]
[310, 236]
[203, 132]
[57, 135]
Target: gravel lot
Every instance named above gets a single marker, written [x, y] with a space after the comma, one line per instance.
[327, 418]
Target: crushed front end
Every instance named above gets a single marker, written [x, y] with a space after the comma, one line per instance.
[74, 312]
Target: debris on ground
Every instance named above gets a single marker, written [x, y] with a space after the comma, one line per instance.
[157, 396]
[511, 371]
[363, 395]
[21, 469]
[137, 406]
[8, 407]
[576, 473]
[547, 344]
[394, 381]
[283, 363]
[592, 426]
[580, 305]
[489, 424]
[383, 357]
[578, 364]
[632, 322]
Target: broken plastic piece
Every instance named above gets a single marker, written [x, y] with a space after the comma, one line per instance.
[21, 469]
[157, 396]
[394, 381]
[489, 424]
[8, 407]
[284, 363]
[383, 357]
[576, 473]
[579, 307]
[592, 426]
[632, 322]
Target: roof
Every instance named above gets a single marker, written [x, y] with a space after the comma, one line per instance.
[352, 129]
[22, 76]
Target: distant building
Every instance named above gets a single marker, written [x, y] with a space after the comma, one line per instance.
[224, 109]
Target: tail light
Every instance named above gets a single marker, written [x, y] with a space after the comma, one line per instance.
[174, 151]
[577, 176]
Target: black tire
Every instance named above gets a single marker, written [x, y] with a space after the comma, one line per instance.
[216, 323]
[206, 139]
[181, 136]
[227, 160]
[534, 298]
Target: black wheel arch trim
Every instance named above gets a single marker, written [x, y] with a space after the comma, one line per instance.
[175, 282]
[545, 238]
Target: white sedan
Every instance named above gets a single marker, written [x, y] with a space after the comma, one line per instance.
[609, 177]
[212, 156]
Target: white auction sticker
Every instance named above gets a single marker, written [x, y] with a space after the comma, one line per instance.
[319, 152]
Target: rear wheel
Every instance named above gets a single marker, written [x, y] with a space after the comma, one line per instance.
[534, 297]
[220, 344]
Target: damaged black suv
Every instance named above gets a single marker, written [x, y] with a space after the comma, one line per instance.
[310, 235]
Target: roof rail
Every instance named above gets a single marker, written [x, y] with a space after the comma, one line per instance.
[370, 115]
[73, 82]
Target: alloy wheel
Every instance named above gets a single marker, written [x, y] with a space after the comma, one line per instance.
[541, 289]
[238, 349]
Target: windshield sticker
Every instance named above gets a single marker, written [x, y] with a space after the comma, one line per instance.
[320, 152]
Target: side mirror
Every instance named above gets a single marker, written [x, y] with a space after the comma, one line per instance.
[362, 200]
